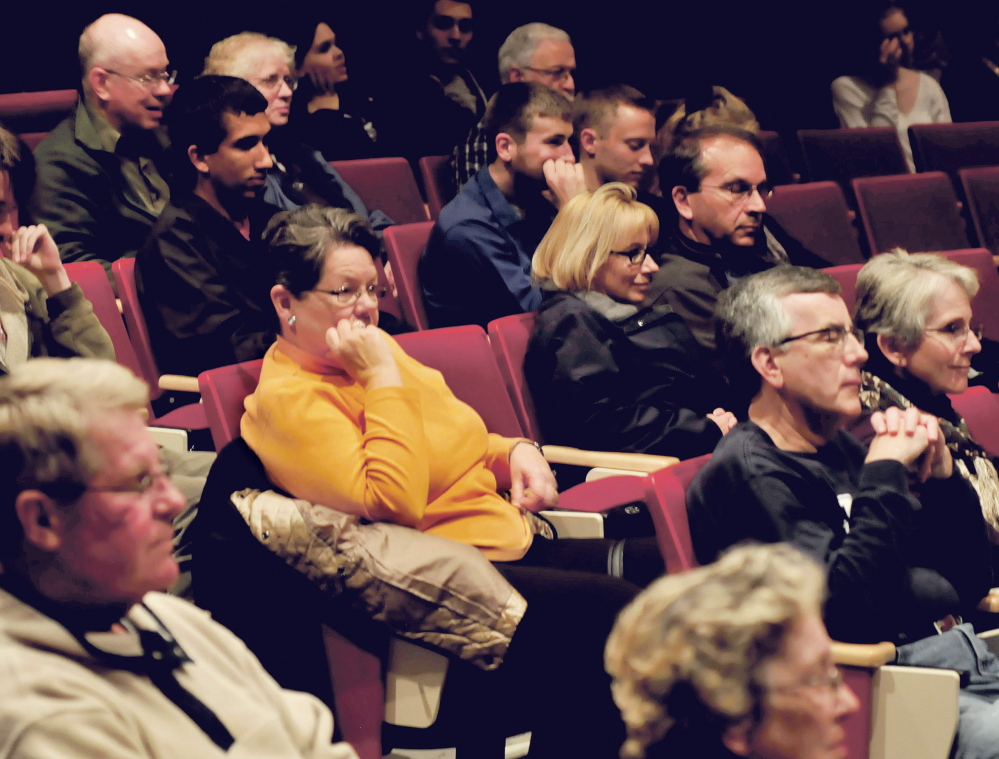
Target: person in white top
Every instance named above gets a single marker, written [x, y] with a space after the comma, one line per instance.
[892, 93]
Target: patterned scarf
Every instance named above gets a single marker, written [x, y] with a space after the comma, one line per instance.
[972, 461]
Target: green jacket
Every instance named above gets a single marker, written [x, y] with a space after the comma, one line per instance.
[82, 197]
[63, 325]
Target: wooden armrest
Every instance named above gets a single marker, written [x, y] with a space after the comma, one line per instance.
[990, 602]
[179, 383]
[863, 654]
[639, 462]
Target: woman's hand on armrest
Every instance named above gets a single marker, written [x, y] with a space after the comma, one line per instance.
[533, 485]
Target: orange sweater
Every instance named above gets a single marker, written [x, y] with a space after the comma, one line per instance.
[413, 455]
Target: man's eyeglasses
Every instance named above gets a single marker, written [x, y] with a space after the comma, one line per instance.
[150, 81]
[835, 335]
[274, 81]
[957, 332]
[348, 295]
[139, 485]
[635, 257]
[447, 23]
[740, 192]
[558, 74]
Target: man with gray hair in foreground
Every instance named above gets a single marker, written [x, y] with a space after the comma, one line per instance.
[900, 534]
[96, 662]
[730, 660]
[531, 53]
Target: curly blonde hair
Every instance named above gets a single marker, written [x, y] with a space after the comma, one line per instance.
[688, 652]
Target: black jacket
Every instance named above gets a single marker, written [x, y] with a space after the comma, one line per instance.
[640, 385]
[896, 564]
[204, 289]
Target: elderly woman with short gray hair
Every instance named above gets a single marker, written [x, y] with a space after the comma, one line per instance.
[921, 336]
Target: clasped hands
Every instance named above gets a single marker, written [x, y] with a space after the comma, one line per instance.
[912, 438]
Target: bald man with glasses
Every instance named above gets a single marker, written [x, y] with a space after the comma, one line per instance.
[102, 173]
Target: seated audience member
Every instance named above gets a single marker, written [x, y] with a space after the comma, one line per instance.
[102, 172]
[615, 128]
[327, 113]
[718, 185]
[299, 173]
[889, 92]
[436, 99]
[41, 312]
[899, 531]
[203, 275]
[730, 660]
[531, 53]
[336, 388]
[921, 338]
[606, 373]
[96, 662]
[477, 265]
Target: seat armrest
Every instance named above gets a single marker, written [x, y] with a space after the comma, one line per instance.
[637, 462]
[179, 383]
[991, 602]
[863, 654]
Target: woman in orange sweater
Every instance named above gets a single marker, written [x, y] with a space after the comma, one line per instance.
[344, 418]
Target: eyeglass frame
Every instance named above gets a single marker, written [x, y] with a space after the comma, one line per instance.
[141, 485]
[465, 25]
[149, 81]
[290, 80]
[764, 188]
[837, 329]
[379, 291]
[833, 680]
[641, 254]
[977, 329]
[558, 74]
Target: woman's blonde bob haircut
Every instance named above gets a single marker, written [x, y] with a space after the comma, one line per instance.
[586, 230]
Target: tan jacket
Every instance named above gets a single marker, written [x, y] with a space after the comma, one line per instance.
[424, 587]
[56, 700]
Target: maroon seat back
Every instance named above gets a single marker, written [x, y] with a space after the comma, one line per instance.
[951, 147]
[387, 184]
[981, 192]
[463, 355]
[404, 244]
[918, 212]
[844, 154]
[816, 215]
[509, 337]
[438, 181]
[223, 391]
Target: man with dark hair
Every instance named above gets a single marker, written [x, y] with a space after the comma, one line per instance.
[899, 531]
[477, 265]
[102, 174]
[202, 275]
[718, 184]
[436, 97]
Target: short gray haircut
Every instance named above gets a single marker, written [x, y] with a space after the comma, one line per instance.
[750, 314]
[47, 407]
[240, 55]
[895, 293]
[520, 44]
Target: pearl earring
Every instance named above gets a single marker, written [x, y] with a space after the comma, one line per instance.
[291, 320]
